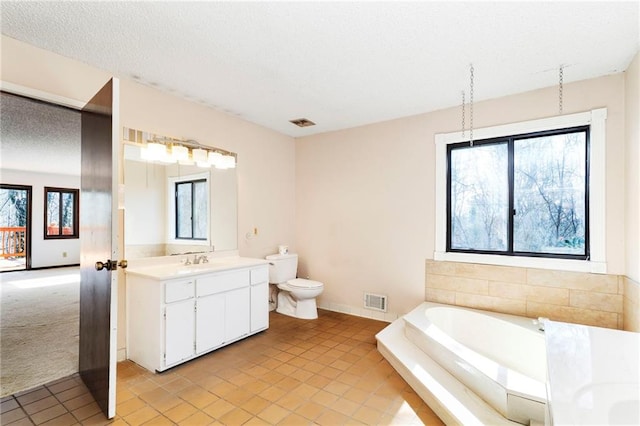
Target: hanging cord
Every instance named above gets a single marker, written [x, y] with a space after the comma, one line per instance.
[463, 102]
[560, 87]
[471, 106]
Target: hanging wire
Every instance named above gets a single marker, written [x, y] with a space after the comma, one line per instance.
[560, 87]
[463, 102]
[471, 106]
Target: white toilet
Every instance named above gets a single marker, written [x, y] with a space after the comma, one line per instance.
[297, 296]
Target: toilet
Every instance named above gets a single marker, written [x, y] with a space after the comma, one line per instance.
[297, 296]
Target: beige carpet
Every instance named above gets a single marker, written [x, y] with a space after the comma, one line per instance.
[38, 327]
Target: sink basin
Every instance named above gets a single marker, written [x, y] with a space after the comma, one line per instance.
[174, 270]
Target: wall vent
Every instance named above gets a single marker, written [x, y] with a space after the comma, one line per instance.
[376, 302]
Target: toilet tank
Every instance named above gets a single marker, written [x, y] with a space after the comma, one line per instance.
[282, 267]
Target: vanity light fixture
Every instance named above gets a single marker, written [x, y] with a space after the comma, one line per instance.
[156, 152]
[200, 157]
[156, 148]
[179, 153]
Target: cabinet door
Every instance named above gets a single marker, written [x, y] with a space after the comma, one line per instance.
[210, 322]
[259, 306]
[237, 312]
[179, 331]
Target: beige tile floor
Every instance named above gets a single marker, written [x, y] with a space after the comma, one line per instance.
[299, 372]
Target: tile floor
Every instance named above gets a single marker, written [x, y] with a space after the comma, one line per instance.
[299, 372]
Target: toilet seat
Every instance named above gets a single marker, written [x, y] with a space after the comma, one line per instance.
[303, 283]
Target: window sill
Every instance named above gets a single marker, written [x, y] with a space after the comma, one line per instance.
[524, 262]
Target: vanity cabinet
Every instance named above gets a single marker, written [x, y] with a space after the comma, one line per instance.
[170, 321]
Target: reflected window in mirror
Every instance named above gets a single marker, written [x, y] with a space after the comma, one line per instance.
[191, 209]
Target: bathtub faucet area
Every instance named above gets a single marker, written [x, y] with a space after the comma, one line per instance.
[540, 322]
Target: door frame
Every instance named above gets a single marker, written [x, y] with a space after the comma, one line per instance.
[29, 189]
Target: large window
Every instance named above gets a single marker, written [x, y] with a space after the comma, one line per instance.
[522, 195]
[527, 194]
[61, 213]
[191, 209]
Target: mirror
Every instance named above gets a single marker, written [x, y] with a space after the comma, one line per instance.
[149, 216]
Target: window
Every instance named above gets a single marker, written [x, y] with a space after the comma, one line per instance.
[523, 255]
[61, 213]
[520, 195]
[191, 209]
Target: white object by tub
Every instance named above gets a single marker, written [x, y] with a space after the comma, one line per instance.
[594, 378]
[297, 296]
[470, 366]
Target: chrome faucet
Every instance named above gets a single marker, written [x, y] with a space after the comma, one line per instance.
[200, 259]
[540, 322]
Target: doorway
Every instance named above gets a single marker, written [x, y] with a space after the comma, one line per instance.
[15, 227]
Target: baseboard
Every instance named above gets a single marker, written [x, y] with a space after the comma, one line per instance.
[358, 311]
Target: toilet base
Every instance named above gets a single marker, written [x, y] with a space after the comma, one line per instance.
[303, 309]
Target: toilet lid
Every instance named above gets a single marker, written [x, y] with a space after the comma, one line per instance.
[302, 283]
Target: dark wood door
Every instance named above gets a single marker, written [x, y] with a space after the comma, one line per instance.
[99, 243]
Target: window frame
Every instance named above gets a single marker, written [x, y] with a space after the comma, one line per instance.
[596, 207]
[509, 142]
[176, 207]
[76, 213]
[171, 223]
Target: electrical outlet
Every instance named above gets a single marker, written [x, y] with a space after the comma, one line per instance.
[64, 254]
[255, 231]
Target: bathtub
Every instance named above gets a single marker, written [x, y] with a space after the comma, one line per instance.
[500, 358]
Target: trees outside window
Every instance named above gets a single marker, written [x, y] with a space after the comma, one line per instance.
[191, 209]
[520, 195]
[61, 213]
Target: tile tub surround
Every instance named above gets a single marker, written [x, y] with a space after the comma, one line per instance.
[582, 298]
[631, 303]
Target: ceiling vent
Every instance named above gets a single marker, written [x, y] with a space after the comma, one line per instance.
[302, 122]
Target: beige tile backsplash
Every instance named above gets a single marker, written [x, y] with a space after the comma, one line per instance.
[631, 304]
[601, 300]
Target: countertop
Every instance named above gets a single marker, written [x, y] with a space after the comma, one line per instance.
[174, 270]
[594, 376]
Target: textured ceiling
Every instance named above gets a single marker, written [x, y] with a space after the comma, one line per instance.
[38, 136]
[339, 64]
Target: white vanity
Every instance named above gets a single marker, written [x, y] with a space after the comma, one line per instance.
[178, 312]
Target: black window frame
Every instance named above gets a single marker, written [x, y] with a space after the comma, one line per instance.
[510, 140]
[190, 182]
[76, 213]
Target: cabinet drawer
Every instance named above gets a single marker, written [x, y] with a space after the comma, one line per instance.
[260, 275]
[178, 290]
[218, 283]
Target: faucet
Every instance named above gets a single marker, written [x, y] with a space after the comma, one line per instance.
[540, 322]
[198, 259]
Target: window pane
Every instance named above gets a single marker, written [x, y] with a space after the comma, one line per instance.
[53, 213]
[549, 194]
[479, 197]
[200, 210]
[67, 213]
[183, 210]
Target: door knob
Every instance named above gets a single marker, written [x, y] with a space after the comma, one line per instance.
[111, 265]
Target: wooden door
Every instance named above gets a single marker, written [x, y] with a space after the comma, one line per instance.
[99, 243]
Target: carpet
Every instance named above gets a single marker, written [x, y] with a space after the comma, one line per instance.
[39, 320]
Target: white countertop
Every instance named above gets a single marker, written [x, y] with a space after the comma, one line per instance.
[168, 271]
[594, 377]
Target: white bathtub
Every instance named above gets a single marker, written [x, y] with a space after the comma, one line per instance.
[501, 358]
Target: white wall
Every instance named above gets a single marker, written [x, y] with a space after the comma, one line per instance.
[45, 252]
[145, 203]
[365, 196]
